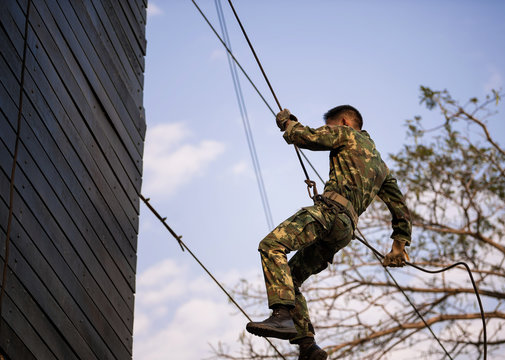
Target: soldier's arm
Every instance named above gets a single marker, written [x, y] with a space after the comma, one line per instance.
[392, 196]
[323, 138]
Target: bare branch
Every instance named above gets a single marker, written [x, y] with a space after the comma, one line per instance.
[416, 325]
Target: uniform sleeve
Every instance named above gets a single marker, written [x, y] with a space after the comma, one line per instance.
[323, 138]
[392, 196]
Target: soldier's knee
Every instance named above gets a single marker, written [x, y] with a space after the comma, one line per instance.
[270, 243]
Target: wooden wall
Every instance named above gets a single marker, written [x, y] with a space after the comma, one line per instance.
[71, 276]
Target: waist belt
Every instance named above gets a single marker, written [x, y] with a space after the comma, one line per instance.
[346, 205]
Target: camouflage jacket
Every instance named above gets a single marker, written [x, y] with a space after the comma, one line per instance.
[357, 170]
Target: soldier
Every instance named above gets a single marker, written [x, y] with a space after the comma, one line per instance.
[357, 175]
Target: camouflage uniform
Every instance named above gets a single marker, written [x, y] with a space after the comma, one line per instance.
[358, 173]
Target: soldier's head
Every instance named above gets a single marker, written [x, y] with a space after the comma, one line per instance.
[344, 115]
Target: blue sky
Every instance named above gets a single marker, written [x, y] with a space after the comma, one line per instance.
[198, 172]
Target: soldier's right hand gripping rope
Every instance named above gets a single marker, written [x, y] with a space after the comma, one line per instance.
[283, 117]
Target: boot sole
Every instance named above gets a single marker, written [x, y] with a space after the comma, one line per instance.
[267, 331]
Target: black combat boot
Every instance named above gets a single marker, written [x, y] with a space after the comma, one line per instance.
[279, 325]
[310, 351]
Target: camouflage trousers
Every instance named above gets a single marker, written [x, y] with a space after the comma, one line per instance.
[318, 232]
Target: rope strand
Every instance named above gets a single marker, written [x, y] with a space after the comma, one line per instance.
[185, 247]
[233, 57]
[379, 256]
[255, 56]
[245, 120]
[309, 182]
[376, 253]
[252, 84]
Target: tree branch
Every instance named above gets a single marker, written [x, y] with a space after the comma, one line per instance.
[448, 230]
[416, 325]
[493, 294]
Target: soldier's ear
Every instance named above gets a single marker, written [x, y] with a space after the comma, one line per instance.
[350, 123]
[335, 121]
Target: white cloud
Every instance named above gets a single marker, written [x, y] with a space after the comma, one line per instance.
[170, 161]
[157, 274]
[178, 315]
[153, 9]
[195, 324]
[170, 290]
[240, 168]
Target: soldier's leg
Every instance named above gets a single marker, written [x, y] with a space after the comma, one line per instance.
[311, 260]
[295, 233]
[315, 257]
[301, 318]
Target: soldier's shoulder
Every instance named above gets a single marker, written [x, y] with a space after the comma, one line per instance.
[364, 133]
[364, 136]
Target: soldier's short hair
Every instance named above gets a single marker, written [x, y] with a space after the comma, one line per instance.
[347, 110]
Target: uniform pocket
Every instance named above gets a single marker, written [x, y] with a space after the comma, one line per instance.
[340, 234]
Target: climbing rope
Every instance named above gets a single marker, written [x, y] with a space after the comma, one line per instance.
[245, 119]
[379, 256]
[185, 247]
[308, 181]
[233, 57]
[14, 165]
[255, 56]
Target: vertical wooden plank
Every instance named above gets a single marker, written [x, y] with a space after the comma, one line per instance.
[22, 328]
[74, 199]
[125, 30]
[80, 313]
[12, 345]
[71, 200]
[46, 328]
[76, 256]
[42, 107]
[132, 71]
[47, 319]
[86, 179]
[107, 85]
[134, 25]
[97, 263]
[91, 112]
[141, 10]
[77, 64]
[78, 178]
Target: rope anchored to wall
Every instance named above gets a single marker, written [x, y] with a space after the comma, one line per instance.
[185, 247]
